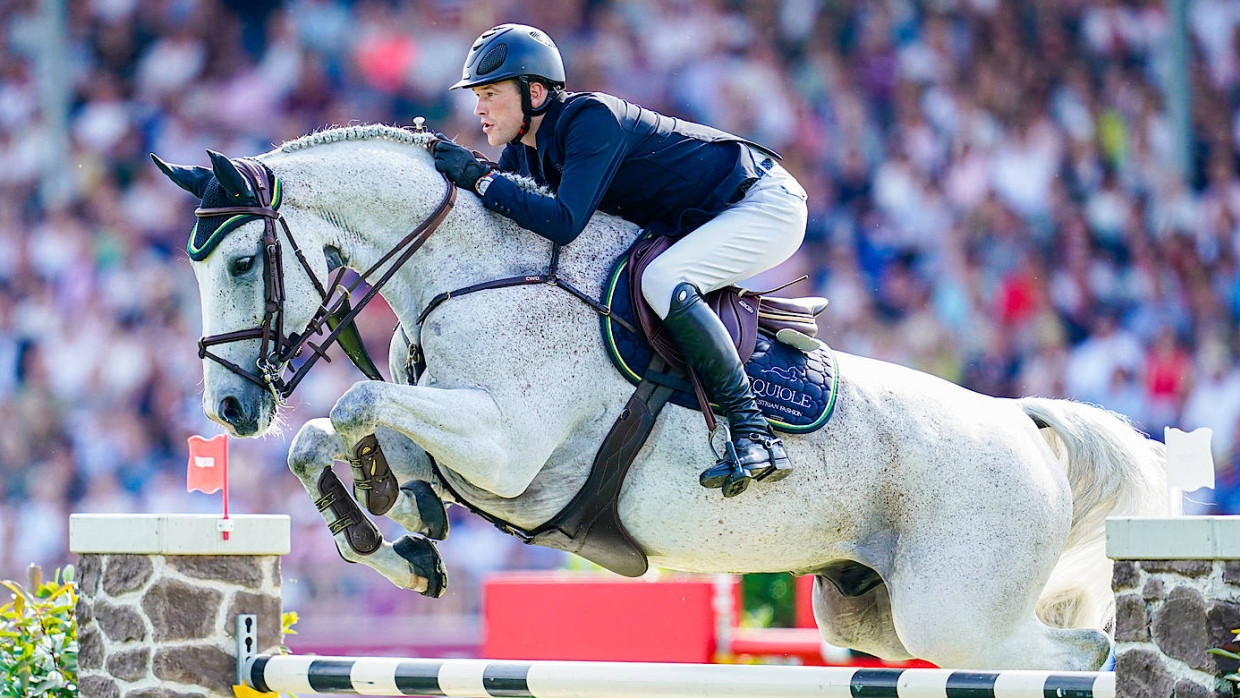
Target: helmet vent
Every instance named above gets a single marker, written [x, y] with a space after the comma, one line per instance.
[492, 60]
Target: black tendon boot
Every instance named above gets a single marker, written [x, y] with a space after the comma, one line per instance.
[754, 452]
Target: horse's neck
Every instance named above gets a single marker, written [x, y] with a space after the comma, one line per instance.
[376, 192]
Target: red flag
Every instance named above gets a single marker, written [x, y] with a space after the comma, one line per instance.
[208, 464]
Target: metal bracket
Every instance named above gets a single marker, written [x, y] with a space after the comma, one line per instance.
[247, 645]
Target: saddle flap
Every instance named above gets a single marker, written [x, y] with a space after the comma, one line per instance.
[743, 313]
[739, 314]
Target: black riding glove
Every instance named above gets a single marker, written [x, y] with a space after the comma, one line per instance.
[459, 163]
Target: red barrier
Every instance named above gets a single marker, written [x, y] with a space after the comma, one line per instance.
[588, 617]
[575, 616]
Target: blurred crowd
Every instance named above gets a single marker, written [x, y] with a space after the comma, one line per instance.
[993, 188]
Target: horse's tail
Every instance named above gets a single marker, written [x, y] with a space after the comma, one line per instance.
[1114, 470]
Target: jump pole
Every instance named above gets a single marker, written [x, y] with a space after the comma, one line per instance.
[482, 678]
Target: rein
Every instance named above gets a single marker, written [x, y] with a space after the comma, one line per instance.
[277, 349]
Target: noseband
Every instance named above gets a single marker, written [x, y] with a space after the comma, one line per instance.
[276, 349]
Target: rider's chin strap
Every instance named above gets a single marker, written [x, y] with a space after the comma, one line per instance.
[528, 110]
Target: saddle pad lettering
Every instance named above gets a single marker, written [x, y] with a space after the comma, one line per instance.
[796, 391]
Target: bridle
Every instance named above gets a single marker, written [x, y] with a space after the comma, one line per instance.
[276, 349]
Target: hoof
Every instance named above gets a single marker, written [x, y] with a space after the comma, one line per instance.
[430, 509]
[736, 483]
[424, 560]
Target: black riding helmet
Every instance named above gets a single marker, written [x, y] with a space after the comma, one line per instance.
[514, 51]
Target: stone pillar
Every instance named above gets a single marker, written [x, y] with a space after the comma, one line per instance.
[158, 595]
[1177, 594]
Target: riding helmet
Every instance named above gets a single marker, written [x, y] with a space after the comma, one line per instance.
[512, 51]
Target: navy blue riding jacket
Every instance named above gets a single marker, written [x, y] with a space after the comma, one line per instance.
[599, 152]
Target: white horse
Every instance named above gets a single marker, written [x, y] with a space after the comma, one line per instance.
[978, 521]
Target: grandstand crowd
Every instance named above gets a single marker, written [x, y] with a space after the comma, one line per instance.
[993, 192]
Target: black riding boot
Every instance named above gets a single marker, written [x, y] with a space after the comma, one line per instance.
[754, 452]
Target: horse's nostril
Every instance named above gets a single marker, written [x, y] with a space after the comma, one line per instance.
[230, 409]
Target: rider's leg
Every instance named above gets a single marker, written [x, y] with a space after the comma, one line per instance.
[757, 233]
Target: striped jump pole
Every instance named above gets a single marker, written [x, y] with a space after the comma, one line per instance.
[482, 678]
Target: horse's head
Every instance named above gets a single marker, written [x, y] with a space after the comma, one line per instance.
[256, 284]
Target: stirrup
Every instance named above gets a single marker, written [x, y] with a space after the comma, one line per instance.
[726, 474]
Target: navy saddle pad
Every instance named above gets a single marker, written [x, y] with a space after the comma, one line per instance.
[796, 391]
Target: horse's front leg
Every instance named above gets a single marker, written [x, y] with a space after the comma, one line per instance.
[411, 562]
[463, 428]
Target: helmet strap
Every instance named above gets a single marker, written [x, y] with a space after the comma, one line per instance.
[527, 108]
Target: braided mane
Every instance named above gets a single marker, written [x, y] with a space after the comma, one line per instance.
[369, 132]
[364, 132]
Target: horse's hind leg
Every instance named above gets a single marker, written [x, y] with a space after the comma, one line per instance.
[859, 622]
[410, 563]
[963, 596]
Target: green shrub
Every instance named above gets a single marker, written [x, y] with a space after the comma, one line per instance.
[38, 637]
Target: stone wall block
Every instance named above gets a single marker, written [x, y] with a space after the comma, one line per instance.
[1131, 620]
[98, 687]
[83, 612]
[88, 571]
[1153, 590]
[1144, 674]
[1191, 689]
[268, 608]
[244, 571]
[124, 573]
[90, 648]
[179, 611]
[1231, 572]
[1188, 568]
[1223, 618]
[1124, 575]
[209, 667]
[130, 665]
[119, 622]
[1179, 628]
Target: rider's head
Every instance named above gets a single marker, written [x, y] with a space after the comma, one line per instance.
[513, 69]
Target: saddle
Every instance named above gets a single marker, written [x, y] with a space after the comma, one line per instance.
[742, 311]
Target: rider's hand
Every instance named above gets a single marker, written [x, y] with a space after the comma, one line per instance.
[459, 164]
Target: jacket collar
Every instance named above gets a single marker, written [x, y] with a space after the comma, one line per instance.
[551, 117]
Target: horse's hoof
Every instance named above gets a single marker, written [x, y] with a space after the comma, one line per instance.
[736, 484]
[373, 482]
[424, 559]
[430, 509]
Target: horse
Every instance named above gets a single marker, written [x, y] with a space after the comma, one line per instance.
[941, 524]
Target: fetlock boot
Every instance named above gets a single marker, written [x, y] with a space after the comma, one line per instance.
[753, 452]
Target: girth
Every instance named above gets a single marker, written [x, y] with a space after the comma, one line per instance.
[589, 525]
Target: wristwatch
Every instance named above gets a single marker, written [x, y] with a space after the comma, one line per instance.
[483, 183]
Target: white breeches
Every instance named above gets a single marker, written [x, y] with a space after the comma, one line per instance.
[756, 233]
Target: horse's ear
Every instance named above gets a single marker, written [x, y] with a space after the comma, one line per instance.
[192, 179]
[231, 179]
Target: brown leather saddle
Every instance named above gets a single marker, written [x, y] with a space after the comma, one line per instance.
[742, 311]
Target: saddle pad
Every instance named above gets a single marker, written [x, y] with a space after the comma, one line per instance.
[796, 391]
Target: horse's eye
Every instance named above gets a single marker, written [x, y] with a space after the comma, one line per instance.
[241, 265]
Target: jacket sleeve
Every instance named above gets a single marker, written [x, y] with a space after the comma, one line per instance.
[594, 148]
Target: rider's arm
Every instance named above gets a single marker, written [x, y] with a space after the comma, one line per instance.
[594, 147]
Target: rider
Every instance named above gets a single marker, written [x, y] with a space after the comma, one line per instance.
[735, 211]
